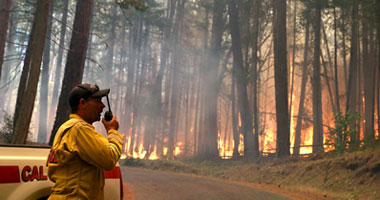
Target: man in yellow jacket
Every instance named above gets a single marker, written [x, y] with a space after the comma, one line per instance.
[80, 154]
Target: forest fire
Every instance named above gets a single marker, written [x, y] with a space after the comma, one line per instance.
[224, 147]
[163, 90]
[376, 126]
[178, 148]
[268, 137]
[306, 141]
[138, 151]
[268, 142]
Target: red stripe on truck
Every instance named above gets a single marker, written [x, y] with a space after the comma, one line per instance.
[113, 174]
[9, 174]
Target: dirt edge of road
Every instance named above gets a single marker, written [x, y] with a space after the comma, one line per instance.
[128, 194]
[307, 193]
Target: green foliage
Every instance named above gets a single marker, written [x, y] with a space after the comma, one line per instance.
[345, 128]
[205, 4]
[315, 3]
[6, 130]
[149, 11]
[369, 11]
[154, 17]
[369, 141]
[137, 4]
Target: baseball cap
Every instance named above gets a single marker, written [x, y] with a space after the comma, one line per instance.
[85, 91]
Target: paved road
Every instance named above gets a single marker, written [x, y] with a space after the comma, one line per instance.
[154, 185]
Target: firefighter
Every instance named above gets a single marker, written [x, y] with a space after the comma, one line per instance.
[79, 154]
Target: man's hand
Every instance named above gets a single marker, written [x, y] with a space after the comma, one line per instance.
[112, 124]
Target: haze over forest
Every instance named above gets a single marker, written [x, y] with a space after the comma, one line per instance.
[203, 78]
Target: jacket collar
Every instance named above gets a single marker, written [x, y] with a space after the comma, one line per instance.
[76, 116]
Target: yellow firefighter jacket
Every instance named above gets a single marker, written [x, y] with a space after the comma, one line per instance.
[78, 158]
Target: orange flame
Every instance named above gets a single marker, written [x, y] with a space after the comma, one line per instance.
[131, 123]
[306, 147]
[179, 148]
[239, 120]
[140, 152]
[225, 152]
[376, 125]
[241, 145]
[153, 155]
[165, 151]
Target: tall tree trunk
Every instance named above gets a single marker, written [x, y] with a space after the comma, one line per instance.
[187, 116]
[235, 131]
[373, 63]
[149, 138]
[201, 90]
[250, 150]
[193, 101]
[196, 117]
[15, 52]
[199, 105]
[317, 93]
[209, 95]
[88, 73]
[297, 137]
[130, 116]
[75, 60]
[108, 79]
[256, 75]
[293, 57]
[5, 10]
[280, 74]
[344, 50]
[31, 72]
[165, 107]
[4, 82]
[122, 55]
[325, 69]
[44, 85]
[372, 60]
[175, 97]
[156, 96]
[325, 74]
[155, 125]
[337, 99]
[378, 60]
[351, 105]
[368, 81]
[57, 77]
[131, 94]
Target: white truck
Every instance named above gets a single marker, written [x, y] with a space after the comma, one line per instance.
[23, 174]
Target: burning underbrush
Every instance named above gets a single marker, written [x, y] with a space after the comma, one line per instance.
[349, 176]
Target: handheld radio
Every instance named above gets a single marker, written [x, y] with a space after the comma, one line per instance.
[108, 115]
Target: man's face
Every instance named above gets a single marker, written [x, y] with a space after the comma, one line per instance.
[94, 108]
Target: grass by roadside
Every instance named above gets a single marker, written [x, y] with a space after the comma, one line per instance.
[349, 176]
